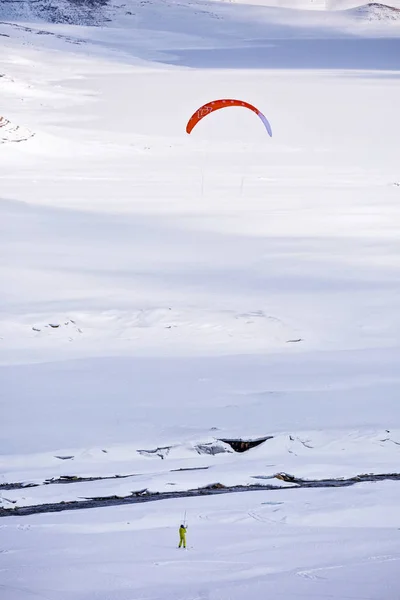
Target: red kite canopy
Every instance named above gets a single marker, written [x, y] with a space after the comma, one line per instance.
[210, 107]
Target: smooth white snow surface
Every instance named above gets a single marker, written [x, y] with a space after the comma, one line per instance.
[287, 544]
[161, 292]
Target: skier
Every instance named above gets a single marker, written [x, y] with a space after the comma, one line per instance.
[182, 536]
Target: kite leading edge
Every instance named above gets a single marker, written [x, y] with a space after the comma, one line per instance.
[210, 107]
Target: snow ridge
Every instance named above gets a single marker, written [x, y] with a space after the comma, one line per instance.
[376, 12]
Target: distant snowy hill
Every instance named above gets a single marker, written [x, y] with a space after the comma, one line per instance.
[345, 4]
[97, 12]
[376, 12]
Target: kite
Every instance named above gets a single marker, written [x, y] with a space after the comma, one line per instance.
[210, 107]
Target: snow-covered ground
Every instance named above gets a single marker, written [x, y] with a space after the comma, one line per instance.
[288, 544]
[161, 292]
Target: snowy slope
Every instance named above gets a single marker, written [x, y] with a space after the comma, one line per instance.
[126, 237]
[162, 293]
[321, 543]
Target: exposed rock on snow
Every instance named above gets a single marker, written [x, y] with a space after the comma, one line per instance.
[213, 486]
[64, 457]
[72, 12]
[70, 323]
[160, 452]
[239, 445]
[337, 482]
[13, 133]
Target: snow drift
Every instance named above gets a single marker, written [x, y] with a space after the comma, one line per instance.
[13, 133]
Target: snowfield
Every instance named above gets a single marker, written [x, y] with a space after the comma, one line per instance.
[311, 543]
[166, 296]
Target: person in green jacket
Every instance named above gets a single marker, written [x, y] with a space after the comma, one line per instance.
[182, 536]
